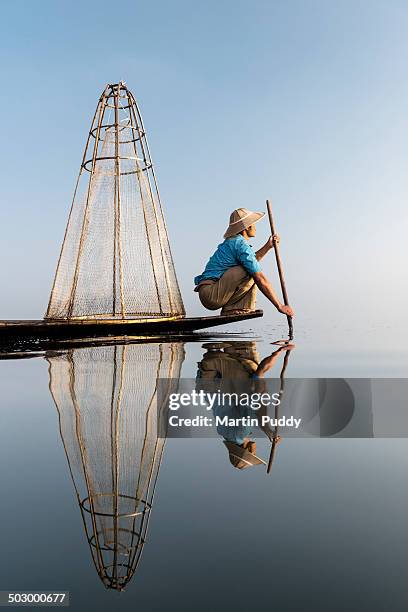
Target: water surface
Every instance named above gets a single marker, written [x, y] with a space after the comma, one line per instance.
[326, 529]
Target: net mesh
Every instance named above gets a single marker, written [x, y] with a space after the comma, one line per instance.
[115, 260]
[106, 399]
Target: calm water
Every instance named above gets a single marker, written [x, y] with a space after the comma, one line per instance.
[326, 530]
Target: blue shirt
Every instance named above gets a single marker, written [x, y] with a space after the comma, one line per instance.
[233, 251]
[234, 433]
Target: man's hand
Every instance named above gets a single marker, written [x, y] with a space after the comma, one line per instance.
[269, 244]
[287, 347]
[286, 310]
[272, 240]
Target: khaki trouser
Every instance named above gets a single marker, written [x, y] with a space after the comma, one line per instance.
[234, 362]
[234, 290]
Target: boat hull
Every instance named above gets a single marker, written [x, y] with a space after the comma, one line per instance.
[89, 328]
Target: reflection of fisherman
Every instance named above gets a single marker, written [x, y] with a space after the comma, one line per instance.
[236, 363]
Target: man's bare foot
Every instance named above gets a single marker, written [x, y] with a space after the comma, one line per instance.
[237, 311]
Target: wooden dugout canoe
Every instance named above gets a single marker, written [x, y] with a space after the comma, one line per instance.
[88, 328]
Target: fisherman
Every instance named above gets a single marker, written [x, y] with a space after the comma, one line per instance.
[233, 272]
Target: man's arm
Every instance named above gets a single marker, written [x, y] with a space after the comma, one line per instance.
[266, 288]
[268, 362]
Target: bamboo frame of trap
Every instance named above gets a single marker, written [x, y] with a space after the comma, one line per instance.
[115, 93]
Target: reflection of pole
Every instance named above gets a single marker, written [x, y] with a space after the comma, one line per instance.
[275, 434]
[280, 268]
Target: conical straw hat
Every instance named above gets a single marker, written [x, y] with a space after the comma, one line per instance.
[241, 219]
[240, 457]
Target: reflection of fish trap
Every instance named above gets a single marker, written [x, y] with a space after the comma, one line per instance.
[106, 399]
[115, 260]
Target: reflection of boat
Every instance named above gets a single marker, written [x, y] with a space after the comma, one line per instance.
[106, 398]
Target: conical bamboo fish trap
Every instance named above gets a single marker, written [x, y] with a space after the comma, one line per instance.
[115, 261]
[109, 415]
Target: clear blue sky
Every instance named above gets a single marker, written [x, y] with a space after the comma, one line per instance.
[303, 101]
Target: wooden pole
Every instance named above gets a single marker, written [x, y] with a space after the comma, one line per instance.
[280, 268]
[275, 438]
